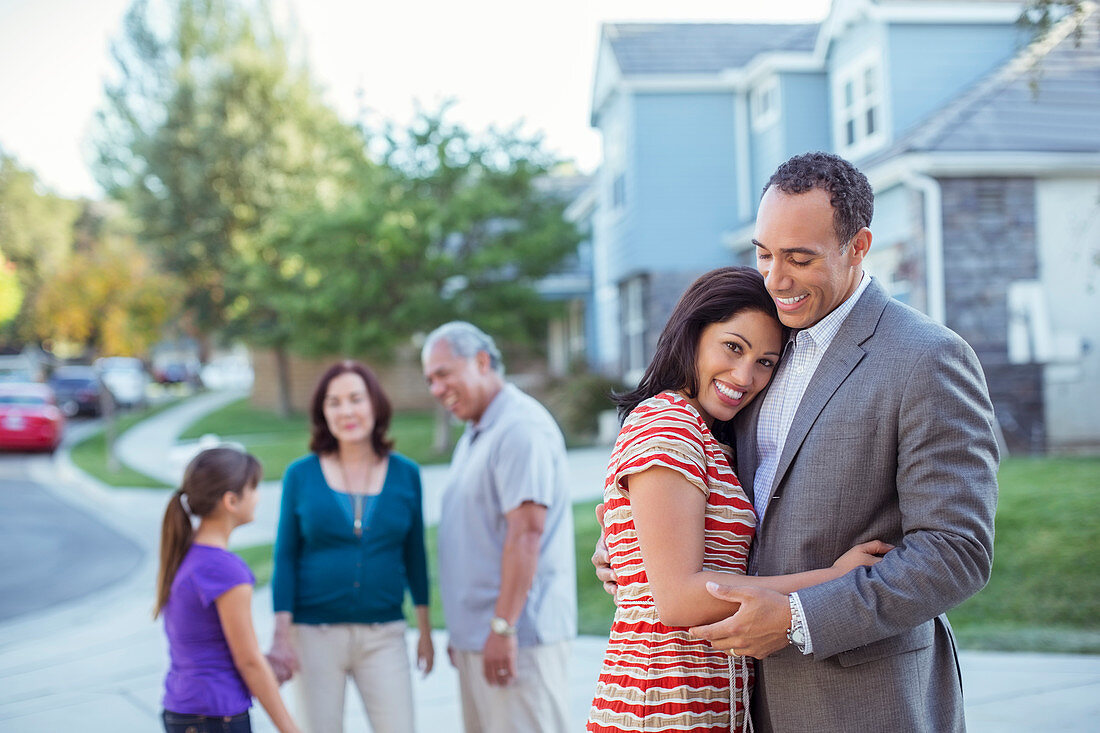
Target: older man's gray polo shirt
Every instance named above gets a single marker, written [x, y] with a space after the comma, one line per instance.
[516, 453]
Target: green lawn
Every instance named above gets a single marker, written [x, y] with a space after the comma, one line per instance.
[90, 454]
[278, 441]
[1044, 594]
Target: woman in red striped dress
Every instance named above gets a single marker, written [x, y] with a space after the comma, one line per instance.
[676, 516]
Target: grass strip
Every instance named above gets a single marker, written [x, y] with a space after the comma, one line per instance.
[277, 441]
[91, 454]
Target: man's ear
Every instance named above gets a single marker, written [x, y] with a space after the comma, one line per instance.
[859, 246]
[484, 362]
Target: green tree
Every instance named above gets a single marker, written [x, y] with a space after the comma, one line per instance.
[453, 225]
[210, 131]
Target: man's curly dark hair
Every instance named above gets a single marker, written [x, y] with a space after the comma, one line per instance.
[849, 191]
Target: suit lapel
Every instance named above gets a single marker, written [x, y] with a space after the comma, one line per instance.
[745, 433]
[838, 362]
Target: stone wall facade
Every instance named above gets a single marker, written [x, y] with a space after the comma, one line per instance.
[402, 380]
[990, 241]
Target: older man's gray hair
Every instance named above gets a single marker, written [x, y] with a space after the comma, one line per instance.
[465, 340]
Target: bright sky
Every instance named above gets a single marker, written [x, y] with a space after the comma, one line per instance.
[503, 61]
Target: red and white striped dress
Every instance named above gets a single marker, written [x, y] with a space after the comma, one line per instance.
[657, 677]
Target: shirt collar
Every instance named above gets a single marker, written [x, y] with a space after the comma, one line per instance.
[493, 410]
[824, 331]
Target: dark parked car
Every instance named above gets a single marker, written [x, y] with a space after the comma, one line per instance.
[78, 390]
[29, 419]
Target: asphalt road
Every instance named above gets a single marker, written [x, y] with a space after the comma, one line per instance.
[50, 551]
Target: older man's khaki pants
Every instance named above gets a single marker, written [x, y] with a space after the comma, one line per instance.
[534, 702]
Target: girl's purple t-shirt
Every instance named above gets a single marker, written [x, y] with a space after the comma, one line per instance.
[202, 679]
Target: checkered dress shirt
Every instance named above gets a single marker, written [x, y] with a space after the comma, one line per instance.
[801, 357]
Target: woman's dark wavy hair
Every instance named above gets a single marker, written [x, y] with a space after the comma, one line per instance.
[849, 191]
[321, 439]
[715, 297]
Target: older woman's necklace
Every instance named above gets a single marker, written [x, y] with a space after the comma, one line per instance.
[358, 498]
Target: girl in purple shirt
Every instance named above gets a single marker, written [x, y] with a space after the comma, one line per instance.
[205, 594]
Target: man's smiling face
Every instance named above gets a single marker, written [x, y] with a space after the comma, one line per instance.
[805, 269]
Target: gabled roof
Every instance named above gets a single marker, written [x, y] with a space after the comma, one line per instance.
[1046, 99]
[700, 48]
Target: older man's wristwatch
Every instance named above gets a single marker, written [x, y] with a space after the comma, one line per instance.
[796, 635]
[501, 626]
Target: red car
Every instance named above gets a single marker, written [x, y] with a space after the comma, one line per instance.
[29, 417]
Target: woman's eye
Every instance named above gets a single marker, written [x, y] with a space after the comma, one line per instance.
[767, 363]
[736, 348]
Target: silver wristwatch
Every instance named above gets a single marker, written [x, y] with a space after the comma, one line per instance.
[796, 635]
[501, 626]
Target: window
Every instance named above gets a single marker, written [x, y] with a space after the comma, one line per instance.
[632, 298]
[858, 106]
[618, 191]
[764, 101]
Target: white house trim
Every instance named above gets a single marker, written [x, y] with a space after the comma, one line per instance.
[935, 276]
[768, 64]
[956, 165]
[743, 164]
[845, 13]
[948, 12]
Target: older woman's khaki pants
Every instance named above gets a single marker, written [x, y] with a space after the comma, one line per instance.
[376, 659]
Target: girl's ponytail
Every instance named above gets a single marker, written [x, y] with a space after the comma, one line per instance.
[175, 540]
[207, 478]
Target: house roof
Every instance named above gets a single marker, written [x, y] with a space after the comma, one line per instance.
[1046, 99]
[700, 48]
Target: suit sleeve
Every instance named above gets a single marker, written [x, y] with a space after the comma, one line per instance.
[946, 485]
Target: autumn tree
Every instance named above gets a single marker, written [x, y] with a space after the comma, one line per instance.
[36, 233]
[107, 297]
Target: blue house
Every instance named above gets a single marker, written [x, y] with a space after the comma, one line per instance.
[981, 141]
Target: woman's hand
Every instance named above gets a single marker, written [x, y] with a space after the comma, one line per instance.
[283, 658]
[425, 653]
[864, 554]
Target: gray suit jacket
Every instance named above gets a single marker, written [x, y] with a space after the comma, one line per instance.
[893, 440]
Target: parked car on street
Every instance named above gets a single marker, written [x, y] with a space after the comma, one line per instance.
[125, 378]
[78, 390]
[29, 417]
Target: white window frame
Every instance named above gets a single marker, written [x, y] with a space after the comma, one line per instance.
[856, 73]
[633, 311]
[765, 103]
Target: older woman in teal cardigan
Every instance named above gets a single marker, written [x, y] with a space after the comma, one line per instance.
[350, 542]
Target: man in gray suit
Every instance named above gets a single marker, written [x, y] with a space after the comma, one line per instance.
[877, 424]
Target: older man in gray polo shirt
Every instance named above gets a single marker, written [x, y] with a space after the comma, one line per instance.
[507, 574]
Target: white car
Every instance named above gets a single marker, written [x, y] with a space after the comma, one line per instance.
[125, 378]
[228, 372]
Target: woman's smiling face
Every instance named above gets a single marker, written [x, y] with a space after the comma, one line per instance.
[735, 360]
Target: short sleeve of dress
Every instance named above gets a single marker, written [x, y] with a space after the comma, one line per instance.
[666, 434]
[219, 572]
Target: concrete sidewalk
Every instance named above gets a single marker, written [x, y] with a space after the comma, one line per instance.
[97, 664]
